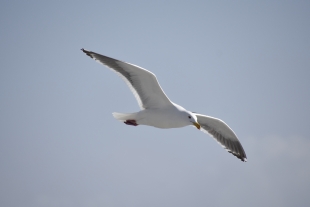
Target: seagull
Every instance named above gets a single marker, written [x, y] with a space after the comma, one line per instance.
[159, 111]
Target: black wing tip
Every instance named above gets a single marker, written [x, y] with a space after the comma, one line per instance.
[242, 158]
[86, 52]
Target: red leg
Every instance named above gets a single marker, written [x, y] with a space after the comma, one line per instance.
[131, 122]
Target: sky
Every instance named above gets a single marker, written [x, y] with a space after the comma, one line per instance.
[245, 62]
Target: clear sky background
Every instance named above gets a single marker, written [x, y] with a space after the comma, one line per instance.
[245, 62]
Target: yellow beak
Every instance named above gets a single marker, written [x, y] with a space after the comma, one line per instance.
[197, 125]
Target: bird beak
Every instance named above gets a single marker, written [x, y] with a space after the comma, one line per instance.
[197, 125]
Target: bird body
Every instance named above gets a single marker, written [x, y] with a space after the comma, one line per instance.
[158, 111]
[165, 118]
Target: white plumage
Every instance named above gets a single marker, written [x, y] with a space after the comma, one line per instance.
[158, 111]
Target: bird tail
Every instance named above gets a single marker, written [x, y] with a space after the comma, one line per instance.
[124, 116]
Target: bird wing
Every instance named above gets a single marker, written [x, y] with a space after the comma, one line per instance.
[223, 134]
[142, 83]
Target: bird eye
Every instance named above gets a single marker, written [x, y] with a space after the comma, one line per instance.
[189, 117]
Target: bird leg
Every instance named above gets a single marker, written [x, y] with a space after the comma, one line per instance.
[131, 122]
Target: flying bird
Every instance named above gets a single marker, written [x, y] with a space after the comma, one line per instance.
[159, 111]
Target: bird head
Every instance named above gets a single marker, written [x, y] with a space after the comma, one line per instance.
[193, 119]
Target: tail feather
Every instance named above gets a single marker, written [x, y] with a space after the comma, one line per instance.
[124, 116]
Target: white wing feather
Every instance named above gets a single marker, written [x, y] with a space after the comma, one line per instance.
[223, 134]
[141, 82]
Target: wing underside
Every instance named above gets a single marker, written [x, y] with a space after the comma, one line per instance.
[223, 134]
[141, 82]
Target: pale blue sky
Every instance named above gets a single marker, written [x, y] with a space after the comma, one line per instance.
[246, 62]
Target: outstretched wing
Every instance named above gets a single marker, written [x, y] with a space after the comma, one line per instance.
[224, 135]
[141, 82]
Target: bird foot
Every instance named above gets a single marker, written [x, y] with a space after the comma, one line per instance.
[131, 122]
